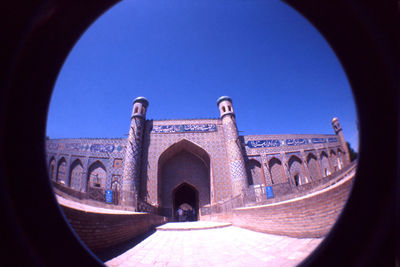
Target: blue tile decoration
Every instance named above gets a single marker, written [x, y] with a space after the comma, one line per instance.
[263, 143]
[296, 142]
[52, 146]
[73, 146]
[84, 147]
[269, 192]
[318, 140]
[109, 196]
[184, 128]
[102, 148]
[332, 139]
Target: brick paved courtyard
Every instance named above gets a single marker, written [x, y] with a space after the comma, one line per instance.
[223, 246]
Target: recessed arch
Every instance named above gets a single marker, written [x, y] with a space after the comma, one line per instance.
[325, 164]
[296, 170]
[254, 172]
[52, 168]
[62, 171]
[183, 162]
[76, 175]
[333, 160]
[276, 171]
[97, 175]
[312, 164]
[187, 195]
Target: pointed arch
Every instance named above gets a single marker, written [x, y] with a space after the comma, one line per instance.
[325, 168]
[62, 171]
[333, 160]
[52, 169]
[276, 171]
[76, 175]
[254, 172]
[187, 145]
[97, 175]
[181, 162]
[340, 159]
[312, 164]
[296, 170]
[186, 194]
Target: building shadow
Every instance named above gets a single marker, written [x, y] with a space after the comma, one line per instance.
[116, 250]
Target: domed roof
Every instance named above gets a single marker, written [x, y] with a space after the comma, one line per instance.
[142, 99]
[334, 119]
[222, 98]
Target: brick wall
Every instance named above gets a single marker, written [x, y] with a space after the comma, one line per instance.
[308, 216]
[100, 230]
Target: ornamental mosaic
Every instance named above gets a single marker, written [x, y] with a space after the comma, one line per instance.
[101, 148]
[109, 148]
[184, 128]
[332, 139]
[318, 140]
[263, 143]
[296, 142]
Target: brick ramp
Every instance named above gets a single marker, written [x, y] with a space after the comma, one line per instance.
[312, 215]
[101, 228]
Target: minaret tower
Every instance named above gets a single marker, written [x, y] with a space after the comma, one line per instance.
[339, 133]
[133, 153]
[233, 147]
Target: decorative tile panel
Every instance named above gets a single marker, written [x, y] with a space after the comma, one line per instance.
[263, 143]
[296, 141]
[184, 128]
[318, 140]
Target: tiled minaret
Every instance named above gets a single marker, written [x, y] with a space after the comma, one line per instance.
[342, 141]
[233, 146]
[130, 184]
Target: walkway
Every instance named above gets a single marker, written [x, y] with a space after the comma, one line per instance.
[223, 245]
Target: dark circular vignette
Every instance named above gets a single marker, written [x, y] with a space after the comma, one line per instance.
[37, 37]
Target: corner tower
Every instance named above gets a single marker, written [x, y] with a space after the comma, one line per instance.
[233, 147]
[338, 131]
[133, 153]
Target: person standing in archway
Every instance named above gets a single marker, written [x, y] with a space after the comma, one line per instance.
[180, 213]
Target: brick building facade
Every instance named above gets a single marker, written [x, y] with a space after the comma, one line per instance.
[166, 163]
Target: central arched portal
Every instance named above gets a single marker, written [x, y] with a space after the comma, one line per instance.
[183, 178]
[186, 198]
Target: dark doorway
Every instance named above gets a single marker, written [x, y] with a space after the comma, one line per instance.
[186, 198]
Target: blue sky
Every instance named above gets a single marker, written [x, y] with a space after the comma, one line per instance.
[182, 55]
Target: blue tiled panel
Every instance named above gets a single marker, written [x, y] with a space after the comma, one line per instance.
[296, 142]
[332, 139]
[102, 148]
[84, 147]
[263, 143]
[184, 128]
[318, 140]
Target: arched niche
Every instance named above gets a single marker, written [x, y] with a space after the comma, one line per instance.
[52, 168]
[325, 168]
[312, 164]
[183, 162]
[276, 171]
[254, 172]
[296, 170]
[76, 175]
[62, 171]
[97, 175]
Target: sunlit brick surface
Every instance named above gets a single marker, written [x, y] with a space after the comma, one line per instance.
[227, 246]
